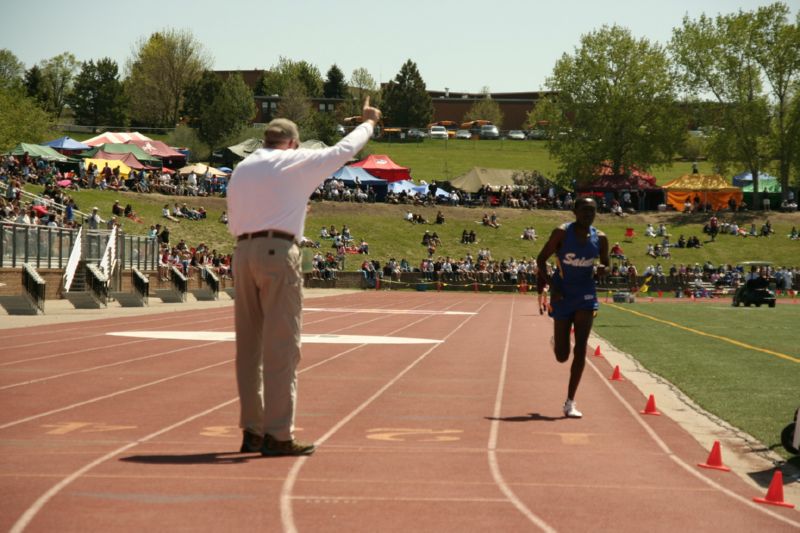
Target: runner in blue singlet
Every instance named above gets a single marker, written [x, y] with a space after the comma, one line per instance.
[573, 299]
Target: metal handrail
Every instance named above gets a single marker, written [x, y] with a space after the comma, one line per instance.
[98, 283]
[211, 280]
[179, 281]
[34, 286]
[141, 284]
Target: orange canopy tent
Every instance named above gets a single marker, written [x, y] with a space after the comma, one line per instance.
[712, 190]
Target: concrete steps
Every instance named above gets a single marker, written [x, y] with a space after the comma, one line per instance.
[18, 305]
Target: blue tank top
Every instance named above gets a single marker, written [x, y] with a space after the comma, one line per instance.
[575, 273]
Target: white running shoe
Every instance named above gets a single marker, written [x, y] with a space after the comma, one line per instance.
[570, 411]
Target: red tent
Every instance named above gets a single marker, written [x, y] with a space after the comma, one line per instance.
[605, 170]
[158, 149]
[381, 166]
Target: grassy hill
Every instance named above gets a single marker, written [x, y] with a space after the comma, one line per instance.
[390, 236]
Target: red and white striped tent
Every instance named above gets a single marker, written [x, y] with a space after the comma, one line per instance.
[111, 137]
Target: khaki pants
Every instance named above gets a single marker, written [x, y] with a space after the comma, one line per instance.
[268, 306]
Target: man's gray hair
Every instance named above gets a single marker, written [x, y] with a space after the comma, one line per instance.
[279, 131]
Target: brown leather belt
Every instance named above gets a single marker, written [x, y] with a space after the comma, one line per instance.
[267, 233]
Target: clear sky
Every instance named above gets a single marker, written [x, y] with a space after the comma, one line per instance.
[463, 45]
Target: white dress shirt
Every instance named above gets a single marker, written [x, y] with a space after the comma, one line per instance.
[270, 188]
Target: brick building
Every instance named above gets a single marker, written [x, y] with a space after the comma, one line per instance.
[447, 105]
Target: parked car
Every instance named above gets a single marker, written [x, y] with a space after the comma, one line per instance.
[463, 134]
[516, 135]
[415, 133]
[340, 130]
[537, 134]
[489, 131]
[438, 132]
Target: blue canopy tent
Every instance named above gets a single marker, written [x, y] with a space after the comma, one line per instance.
[351, 176]
[410, 188]
[67, 144]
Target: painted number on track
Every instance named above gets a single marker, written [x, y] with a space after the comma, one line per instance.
[414, 434]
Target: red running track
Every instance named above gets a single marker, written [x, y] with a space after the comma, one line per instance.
[109, 433]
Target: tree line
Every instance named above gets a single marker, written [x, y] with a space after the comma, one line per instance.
[616, 100]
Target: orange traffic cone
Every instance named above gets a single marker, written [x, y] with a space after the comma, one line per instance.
[775, 492]
[650, 408]
[715, 459]
[597, 352]
[616, 376]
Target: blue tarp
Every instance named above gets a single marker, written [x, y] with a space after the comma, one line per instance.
[66, 143]
[348, 175]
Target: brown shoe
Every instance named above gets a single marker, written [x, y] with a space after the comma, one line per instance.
[251, 443]
[276, 448]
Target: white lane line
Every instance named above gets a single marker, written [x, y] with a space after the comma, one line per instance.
[494, 430]
[388, 311]
[31, 512]
[287, 513]
[306, 338]
[93, 368]
[689, 468]
[113, 394]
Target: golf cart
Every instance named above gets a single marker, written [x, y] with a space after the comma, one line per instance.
[790, 436]
[756, 291]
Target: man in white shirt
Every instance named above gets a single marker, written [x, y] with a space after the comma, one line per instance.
[267, 198]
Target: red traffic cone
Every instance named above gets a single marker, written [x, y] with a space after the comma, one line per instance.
[650, 408]
[616, 376]
[597, 352]
[775, 492]
[715, 459]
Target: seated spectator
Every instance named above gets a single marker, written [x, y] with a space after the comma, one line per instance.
[465, 237]
[409, 217]
[651, 250]
[681, 241]
[439, 218]
[419, 219]
[793, 235]
[131, 214]
[616, 208]
[649, 231]
[333, 231]
[472, 237]
[323, 233]
[617, 252]
[223, 217]
[116, 209]
[166, 214]
[363, 248]
[529, 234]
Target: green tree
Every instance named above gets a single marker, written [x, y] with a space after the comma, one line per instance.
[199, 96]
[97, 97]
[230, 111]
[777, 52]
[161, 68]
[295, 104]
[361, 85]
[57, 75]
[615, 104]
[485, 109]
[406, 102]
[34, 84]
[11, 70]
[320, 126]
[21, 119]
[334, 86]
[748, 63]
[279, 78]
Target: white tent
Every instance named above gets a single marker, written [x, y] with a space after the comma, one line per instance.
[111, 137]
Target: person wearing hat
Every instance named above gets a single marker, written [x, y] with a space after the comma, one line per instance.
[94, 219]
[267, 199]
